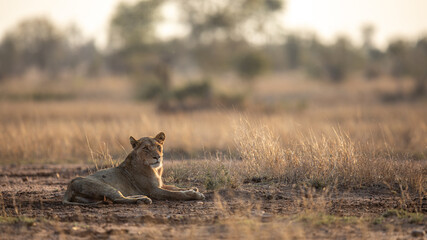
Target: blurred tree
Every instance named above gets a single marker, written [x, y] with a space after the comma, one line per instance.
[83, 57]
[219, 31]
[222, 30]
[312, 58]
[251, 64]
[133, 24]
[38, 43]
[235, 20]
[409, 59]
[334, 62]
[9, 61]
[419, 67]
[337, 60]
[293, 51]
[373, 55]
[33, 43]
[398, 54]
[136, 50]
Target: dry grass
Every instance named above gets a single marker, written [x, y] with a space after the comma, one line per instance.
[260, 150]
[352, 146]
[58, 132]
[324, 160]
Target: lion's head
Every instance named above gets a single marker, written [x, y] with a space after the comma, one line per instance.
[149, 150]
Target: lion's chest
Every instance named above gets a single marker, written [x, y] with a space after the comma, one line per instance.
[155, 181]
[146, 183]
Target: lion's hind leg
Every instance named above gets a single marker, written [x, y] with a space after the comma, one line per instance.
[92, 191]
[75, 198]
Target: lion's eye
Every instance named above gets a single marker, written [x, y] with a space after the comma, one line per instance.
[146, 148]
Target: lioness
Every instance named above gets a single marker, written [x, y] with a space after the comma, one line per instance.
[137, 179]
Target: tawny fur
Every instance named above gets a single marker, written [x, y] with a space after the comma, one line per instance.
[137, 179]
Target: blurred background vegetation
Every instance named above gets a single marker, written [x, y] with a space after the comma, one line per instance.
[64, 96]
[228, 47]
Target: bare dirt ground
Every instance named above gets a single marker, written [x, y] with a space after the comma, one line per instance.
[32, 208]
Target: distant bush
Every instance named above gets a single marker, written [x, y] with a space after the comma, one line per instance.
[194, 95]
[232, 100]
[201, 90]
[39, 96]
[251, 64]
[149, 90]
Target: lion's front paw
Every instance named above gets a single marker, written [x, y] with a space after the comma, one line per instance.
[145, 200]
[195, 195]
[200, 196]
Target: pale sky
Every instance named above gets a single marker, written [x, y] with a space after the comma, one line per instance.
[328, 18]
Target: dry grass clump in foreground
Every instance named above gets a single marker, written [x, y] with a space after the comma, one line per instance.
[322, 161]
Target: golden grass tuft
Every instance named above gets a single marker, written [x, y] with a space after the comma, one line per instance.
[322, 160]
[259, 149]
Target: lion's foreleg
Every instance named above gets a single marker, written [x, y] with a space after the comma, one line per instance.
[163, 194]
[175, 188]
[172, 188]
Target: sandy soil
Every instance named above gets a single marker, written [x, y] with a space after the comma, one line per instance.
[271, 210]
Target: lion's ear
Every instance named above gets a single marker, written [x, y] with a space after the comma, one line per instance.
[133, 142]
[160, 137]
